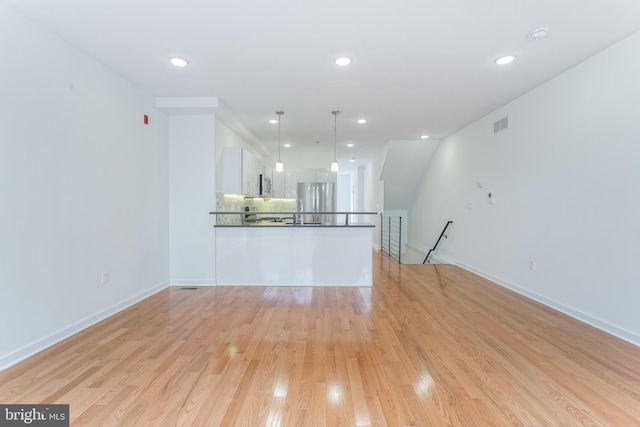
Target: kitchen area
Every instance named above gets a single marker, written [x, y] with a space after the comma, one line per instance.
[284, 228]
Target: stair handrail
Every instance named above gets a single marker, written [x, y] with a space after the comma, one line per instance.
[438, 241]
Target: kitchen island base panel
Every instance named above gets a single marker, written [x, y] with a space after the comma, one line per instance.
[294, 256]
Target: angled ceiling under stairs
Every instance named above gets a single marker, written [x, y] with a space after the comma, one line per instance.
[404, 165]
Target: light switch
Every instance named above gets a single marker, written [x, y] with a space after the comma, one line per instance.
[492, 197]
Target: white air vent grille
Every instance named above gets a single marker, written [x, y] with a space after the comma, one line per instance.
[501, 124]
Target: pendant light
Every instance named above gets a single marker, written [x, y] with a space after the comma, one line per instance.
[334, 164]
[279, 165]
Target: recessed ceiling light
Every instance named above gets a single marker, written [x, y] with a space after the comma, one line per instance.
[351, 144]
[424, 137]
[353, 160]
[273, 121]
[362, 121]
[504, 60]
[179, 62]
[539, 33]
[342, 61]
[286, 145]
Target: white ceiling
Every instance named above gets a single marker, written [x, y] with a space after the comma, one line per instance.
[419, 66]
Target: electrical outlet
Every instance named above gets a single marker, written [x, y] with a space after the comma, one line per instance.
[105, 277]
[532, 265]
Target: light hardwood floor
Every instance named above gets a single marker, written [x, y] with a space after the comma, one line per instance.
[428, 345]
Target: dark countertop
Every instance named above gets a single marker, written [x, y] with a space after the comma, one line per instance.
[283, 225]
[276, 219]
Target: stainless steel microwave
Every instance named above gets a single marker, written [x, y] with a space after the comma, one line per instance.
[265, 186]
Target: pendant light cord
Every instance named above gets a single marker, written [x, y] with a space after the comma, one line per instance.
[335, 134]
[279, 113]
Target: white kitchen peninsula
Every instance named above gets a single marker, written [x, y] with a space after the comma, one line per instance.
[275, 254]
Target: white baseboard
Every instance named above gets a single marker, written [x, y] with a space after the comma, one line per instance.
[417, 248]
[192, 282]
[576, 314]
[434, 257]
[36, 347]
[376, 247]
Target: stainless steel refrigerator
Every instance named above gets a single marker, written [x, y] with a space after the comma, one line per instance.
[317, 197]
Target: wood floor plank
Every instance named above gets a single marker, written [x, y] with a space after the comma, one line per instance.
[428, 345]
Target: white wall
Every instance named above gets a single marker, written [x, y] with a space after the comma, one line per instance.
[344, 191]
[405, 163]
[84, 190]
[193, 196]
[196, 142]
[565, 176]
[301, 160]
[371, 190]
[227, 137]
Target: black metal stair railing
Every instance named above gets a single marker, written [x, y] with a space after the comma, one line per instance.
[391, 236]
[438, 241]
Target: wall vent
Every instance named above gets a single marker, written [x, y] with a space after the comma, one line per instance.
[501, 124]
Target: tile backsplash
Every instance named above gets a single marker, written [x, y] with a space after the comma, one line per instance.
[235, 203]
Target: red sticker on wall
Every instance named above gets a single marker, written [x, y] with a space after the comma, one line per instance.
[146, 119]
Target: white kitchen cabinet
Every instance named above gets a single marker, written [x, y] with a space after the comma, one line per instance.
[240, 172]
[250, 174]
[290, 184]
[294, 256]
[284, 184]
[277, 184]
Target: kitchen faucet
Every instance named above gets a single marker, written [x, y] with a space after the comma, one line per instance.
[301, 210]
